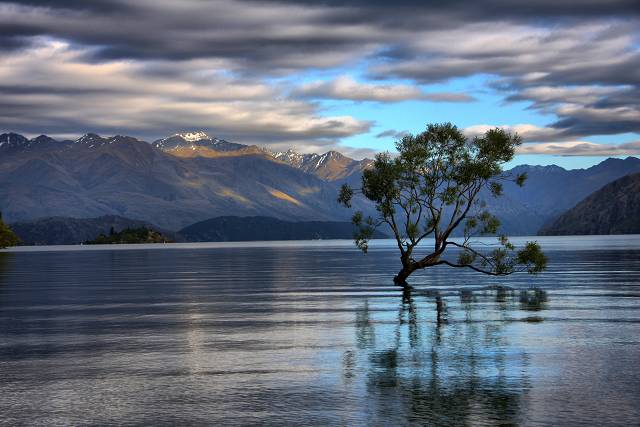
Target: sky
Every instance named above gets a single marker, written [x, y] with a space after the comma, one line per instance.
[347, 75]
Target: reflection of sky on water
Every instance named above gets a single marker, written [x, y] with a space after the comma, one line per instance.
[317, 335]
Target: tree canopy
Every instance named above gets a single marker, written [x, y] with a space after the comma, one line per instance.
[7, 236]
[438, 184]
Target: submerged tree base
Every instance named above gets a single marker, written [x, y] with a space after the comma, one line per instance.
[400, 279]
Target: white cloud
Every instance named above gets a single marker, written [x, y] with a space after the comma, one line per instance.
[150, 66]
[65, 94]
[581, 148]
[347, 88]
[528, 132]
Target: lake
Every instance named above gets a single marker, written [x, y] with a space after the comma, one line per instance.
[314, 333]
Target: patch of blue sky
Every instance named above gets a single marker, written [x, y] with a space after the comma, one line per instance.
[488, 108]
[567, 162]
[620, 138]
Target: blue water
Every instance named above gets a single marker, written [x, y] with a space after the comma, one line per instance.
[314, 333]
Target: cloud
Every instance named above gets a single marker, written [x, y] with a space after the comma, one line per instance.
[73, 64]
[552, 141]
[346, 88]
[581, 148]
[585, 73]
[393, 134]
[448, 97]
[524, 53]
[587, 110]
[146, 100]
[528, 132]
[253, 36]
[544, 97]
[579, 120]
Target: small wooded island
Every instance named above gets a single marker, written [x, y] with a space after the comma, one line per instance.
[128, 236]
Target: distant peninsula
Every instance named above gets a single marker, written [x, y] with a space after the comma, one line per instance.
[234, 228]
[128, 236]
[73, 231]
[110, 229]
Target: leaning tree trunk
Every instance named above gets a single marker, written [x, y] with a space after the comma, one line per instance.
[401, 278]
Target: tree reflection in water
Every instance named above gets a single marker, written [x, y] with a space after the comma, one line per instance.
[461, 372]
[4, 260]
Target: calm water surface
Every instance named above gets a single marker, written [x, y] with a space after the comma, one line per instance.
[313, 333]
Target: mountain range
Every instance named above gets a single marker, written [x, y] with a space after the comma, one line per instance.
[613, 209]
[549, 191]
[173, 182]
[185, 178]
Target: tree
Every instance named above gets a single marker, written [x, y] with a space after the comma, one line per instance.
[7, 236]
[435, 186]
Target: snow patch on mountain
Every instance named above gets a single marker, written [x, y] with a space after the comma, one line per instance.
[194, 136]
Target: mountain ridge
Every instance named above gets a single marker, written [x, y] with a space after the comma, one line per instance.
[192, 176]
[124, 176]
[612, 209]
[331, 165]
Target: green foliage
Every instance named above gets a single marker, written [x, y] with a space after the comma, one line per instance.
[533, 257]
[506, 259]
[129, 235]
[345, 196]
[435, 186]
[466, 257]
[496, 189]
[7, 236]
[364, 231]
[487, 223]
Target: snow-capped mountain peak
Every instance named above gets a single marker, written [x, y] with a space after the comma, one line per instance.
[194, 136]
[329, 166]
[89, 138]
[195, 141]
[291, 157]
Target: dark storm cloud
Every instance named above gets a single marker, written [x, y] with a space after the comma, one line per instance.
[51, 89]
[586, 110]
[265, 36]
[257, 33]
[499, 9]
[93, 5]
[590, 124]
